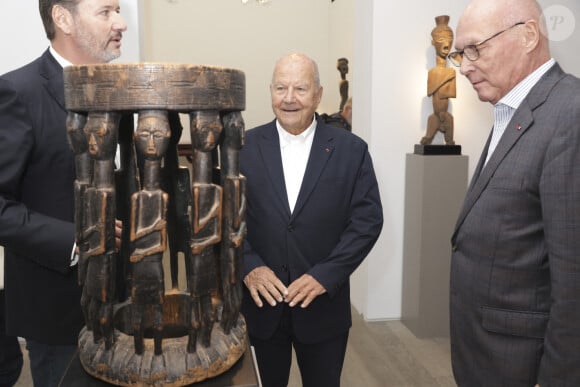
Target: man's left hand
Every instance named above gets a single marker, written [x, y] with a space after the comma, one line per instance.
[303, 291]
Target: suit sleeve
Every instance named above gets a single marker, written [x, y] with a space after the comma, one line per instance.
[360, 234]
[46, 240]
[560, 196]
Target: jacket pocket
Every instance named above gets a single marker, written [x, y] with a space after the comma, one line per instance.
[515, 323]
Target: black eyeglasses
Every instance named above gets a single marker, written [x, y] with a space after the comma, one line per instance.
[471, 51]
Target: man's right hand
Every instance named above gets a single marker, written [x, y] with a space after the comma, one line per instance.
[263, 283]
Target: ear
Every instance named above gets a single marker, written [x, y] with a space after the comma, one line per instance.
[531, 35]
[63, 19]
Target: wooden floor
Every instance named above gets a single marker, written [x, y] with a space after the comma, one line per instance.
[387, 354]
[379, 354]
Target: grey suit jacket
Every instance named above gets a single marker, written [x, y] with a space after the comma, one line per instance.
[37, 205]
[515, 270]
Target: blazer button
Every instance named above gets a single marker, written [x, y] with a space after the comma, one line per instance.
[290, 228]
[284, 267]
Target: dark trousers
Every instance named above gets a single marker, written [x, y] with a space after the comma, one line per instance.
[10, 353]
[48, 362]
[320, 364]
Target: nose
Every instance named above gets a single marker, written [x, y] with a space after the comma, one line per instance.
[119, 23]
[289, 96]
[466, 65]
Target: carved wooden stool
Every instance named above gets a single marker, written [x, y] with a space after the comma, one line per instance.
[136, 332]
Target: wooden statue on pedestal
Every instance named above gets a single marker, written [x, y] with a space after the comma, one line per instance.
[441, 84]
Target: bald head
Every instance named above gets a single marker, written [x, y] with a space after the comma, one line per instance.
[499, 14]
[303, 59]
[504, 11]
[505, 41]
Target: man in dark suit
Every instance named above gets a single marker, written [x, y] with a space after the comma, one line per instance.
[314, 213]
[36, 183]
[515, 270]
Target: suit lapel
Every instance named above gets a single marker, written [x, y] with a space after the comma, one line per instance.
[269, 144]
[51, 71]
[519, 124]
[322, 148]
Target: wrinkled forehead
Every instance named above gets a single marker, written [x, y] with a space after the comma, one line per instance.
[294, 72]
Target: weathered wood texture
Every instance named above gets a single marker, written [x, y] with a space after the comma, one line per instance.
[130, 87]
[137, 333]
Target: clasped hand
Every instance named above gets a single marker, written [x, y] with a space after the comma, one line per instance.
[263, 284]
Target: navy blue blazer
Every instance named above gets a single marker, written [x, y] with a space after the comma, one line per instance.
[37, 205]
[336, 221]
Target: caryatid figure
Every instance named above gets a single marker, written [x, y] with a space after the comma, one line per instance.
[441, 84]
[206, 216]
[148, 234]
[99, 227]
[75, 125]
[234, 225]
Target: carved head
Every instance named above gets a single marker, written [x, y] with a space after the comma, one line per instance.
[101, 133]
[153, 135]
[442, 36]
[342, 66]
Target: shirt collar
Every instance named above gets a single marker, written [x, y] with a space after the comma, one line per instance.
[63, 62]
[286, 138]
[516, 95]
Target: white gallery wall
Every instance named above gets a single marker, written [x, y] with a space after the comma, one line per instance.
[388, 45]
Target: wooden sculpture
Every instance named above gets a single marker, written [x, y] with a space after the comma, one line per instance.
[441, 84]
[342, 67]
[137, 332]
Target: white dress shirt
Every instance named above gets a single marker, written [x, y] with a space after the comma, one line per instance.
[295, 150]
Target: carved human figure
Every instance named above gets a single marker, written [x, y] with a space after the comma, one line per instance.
[234, 225]
[99, 227]
[148, 236]
[441, 84]
[75, 124]
[206, 227]
[342, 66]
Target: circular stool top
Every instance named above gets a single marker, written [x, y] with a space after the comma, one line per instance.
[163, 86]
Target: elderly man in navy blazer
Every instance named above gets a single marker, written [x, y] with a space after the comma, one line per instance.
[515, 269]
[314, 213]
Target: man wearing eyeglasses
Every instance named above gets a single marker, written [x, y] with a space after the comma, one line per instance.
[515, 270]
